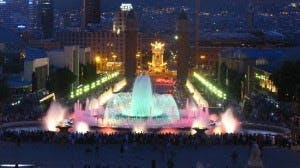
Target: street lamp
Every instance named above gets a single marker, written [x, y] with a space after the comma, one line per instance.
[97, 60]
[138, 56]
[115, 58]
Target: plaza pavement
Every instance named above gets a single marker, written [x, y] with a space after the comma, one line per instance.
[68, 155]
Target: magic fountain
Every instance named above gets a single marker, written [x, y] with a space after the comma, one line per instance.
[140, 110]
[141, 107]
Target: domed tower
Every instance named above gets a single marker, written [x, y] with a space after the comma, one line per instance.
[183, 47]
[131, 43]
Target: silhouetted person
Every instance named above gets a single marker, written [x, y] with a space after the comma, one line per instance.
[153, 164]
[170, 163]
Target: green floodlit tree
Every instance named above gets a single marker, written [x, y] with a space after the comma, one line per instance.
[60, 81]
[287, 81]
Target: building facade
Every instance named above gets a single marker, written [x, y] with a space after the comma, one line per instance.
[36, 68]
[90, 12]
[70, 57]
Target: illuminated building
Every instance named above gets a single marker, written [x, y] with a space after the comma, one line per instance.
[255, 65]
[183, 48]
[90, 12]
[120, 17]
[157, 64]
[36, 68]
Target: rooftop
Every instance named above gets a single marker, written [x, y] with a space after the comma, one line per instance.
[34, 53]
[7, 36]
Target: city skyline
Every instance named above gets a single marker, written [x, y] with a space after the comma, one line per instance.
[140, 83]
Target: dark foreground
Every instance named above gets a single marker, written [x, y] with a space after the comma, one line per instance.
[68, 155]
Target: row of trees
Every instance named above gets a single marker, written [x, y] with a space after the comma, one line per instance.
[287, 81]
[61, 80]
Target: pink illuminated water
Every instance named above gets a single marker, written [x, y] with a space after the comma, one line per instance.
[55, 116]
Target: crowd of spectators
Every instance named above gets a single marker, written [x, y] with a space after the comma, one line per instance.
[147, 139]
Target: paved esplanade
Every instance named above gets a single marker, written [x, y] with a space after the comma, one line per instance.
[55, 155]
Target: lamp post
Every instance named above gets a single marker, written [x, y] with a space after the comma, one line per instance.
[138, 56]
[115, 58]
[97, 60]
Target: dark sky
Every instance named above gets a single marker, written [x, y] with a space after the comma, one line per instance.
[113, 5]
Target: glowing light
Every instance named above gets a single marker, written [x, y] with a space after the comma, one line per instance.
[54, 117]
[97, 59]
[126, 7]
[139, 129]
[108, 131]
[169, 131]
[82, 127]
[229, 122]
[176, 37]
[2, 2]
[219, 93]
[198, 124]
[86, 88]
[158, 45]
[218, 130]
[202, 57]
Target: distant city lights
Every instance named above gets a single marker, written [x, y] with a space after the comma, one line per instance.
[126, 7]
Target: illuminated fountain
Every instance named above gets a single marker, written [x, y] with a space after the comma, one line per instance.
[141, 111]
[141, 108]
[55, 118]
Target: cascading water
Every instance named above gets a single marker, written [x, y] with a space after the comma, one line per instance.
[142, 105]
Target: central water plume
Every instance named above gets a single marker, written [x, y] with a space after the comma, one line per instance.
[141, 106]
[142, 98]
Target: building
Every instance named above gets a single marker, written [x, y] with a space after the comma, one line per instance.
[109, 46]
[90, 12]
[70, 57]
[255, 65]
[13, 14]
[11, 47]
[36, 68]
[131, 45]
[41, 17]
[34, 21]
[120, 17]
[102, 43]
[47, 17]
[183, 47]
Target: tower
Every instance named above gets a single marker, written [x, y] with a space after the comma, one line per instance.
[90, 12]
[183, 48]
[131, 42]
[47, 17]
[197, 25]
[250, 16]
